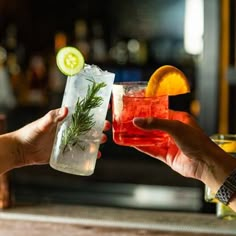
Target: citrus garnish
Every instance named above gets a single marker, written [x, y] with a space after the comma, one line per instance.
[69, 60]
[167, 80]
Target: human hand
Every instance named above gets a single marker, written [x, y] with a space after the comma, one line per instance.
[189, 148]
[190, 151]
[35, 140]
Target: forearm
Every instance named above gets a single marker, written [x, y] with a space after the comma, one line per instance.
[9, 152]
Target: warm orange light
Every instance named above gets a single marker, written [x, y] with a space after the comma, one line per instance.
[60, 41]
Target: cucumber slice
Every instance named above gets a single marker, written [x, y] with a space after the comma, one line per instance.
[69, 60]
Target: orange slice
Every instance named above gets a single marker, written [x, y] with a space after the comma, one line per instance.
[167, 80]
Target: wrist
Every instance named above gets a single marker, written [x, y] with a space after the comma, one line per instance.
[9, 155]
[227, 189]
[18, 150]
[217, 168]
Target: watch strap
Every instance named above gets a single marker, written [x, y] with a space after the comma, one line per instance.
[227, 189]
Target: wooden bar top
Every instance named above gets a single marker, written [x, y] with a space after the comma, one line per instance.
[57, 220]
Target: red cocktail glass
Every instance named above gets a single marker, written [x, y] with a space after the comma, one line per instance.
[129, 101]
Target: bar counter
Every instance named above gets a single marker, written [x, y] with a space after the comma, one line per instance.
[57, 220]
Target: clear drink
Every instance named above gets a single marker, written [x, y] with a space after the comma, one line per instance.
[225, 212]
[77, 139]
[129, 101]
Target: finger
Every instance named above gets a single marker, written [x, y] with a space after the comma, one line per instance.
[170, 126]
[177, 119]
[151, 123]
[107, 125]
[184, 117]
[99, 155]
[103, 139]
[154, 151]
[52, 118]
[176, 129]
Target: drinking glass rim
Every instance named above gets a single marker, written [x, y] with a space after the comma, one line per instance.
[223, 136]
[131, 83]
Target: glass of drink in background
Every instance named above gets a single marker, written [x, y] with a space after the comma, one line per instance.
[228, 143]
[129, 101]
[225, 212]
[77, 140]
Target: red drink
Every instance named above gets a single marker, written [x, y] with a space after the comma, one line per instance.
[129, 102]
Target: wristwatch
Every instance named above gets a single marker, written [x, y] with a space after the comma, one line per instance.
[227, 189]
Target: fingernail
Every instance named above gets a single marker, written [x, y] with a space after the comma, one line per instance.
[139, 121]
[61, 111]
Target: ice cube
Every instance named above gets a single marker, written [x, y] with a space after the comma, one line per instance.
[93, 70]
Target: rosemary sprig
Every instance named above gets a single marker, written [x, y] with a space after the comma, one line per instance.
[82, 121]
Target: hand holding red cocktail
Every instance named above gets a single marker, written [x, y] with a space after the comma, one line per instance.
[145, 99]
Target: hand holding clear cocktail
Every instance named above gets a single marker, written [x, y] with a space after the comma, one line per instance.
[87, 94]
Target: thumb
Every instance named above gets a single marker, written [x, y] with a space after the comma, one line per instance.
[52, 118]
[152, 123]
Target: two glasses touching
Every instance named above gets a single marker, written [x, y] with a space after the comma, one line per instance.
[87, 96]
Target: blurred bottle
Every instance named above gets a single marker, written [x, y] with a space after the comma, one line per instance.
[56, 80]
[137, 51]
[15, 74]
[132, 51]
[10, 41]
[13, 45]
[119, 52]
[7, 98]
[60, 41]
[225, 212]
[56, 84]
[15, 61]
[98, 44]
[37, 82]
[81, 38]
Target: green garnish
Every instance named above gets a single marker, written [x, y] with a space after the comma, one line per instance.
[69, 60]
[82, 121]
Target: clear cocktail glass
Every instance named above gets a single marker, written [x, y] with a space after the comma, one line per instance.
[129, 101]
[77, 140]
